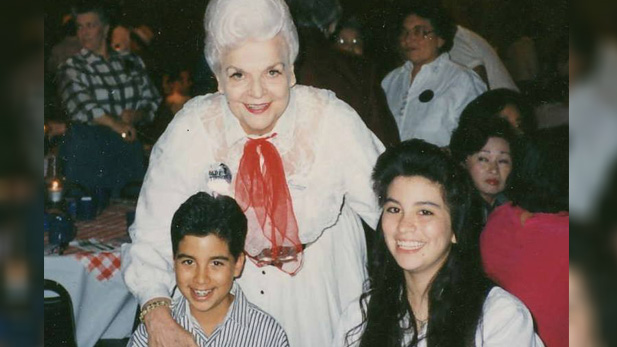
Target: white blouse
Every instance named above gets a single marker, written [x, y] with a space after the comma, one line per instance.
[452, 86]
[472, 50]
[505, 322]
[328, 156]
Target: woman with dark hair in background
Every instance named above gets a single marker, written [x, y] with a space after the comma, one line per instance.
[428, 287]
[484, 148]
[505, 103]
[524, 245]
[427, 94]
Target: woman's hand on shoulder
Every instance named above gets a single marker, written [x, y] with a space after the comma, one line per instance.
[164, 331]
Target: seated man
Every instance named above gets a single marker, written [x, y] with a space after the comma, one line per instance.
[106, 95]
[207, 236]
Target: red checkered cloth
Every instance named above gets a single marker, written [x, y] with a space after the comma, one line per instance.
[105, 264]
[110, 226]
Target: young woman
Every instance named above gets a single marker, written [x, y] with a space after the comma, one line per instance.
[484, 148]
[428, 288]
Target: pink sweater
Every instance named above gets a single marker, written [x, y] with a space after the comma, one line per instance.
[530, 261]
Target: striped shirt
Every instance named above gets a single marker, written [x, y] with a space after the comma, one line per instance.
[244, 325]
[91, 86]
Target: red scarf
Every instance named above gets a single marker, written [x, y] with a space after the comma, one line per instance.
[264, 190]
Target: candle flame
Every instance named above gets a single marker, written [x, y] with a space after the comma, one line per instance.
[55, 185]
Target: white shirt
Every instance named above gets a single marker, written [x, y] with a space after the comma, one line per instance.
[453, 86]
[328, 155]
[472, 50]
[505, 322]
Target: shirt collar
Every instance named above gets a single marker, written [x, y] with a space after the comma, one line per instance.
[284, 127]
[89, 56]
[432, 66]
[239, 308]
[237, 313]
[92, 57]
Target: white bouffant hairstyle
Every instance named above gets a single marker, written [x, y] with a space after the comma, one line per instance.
[228, 23]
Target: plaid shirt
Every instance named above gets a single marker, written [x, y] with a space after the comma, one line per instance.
[91, 86]
[245, 325]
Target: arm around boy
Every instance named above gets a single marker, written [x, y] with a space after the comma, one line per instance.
[207, 235]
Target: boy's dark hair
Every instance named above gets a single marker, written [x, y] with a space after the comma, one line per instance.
[203, 215]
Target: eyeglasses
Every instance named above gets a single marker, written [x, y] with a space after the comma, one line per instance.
[417, 31]
[341, 41]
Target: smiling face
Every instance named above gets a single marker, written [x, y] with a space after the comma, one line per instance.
[418, 41]
[205, 271]
[92, 33]
[416, 225]
[490, 167]
[256, 79]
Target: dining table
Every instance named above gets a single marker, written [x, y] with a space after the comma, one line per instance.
[89, 269]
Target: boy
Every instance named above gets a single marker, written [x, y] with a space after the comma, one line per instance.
[207, 236]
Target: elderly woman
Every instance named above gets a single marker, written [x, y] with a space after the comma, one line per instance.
[106, 94]
[429, 289]
[297, 160]
[428, 93]
[484, 148]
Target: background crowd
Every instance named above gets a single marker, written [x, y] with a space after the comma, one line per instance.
[529, 37]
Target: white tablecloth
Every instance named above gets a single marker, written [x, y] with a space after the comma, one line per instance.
[103, 309]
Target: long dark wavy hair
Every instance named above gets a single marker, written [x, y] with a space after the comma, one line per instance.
[458, 290]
